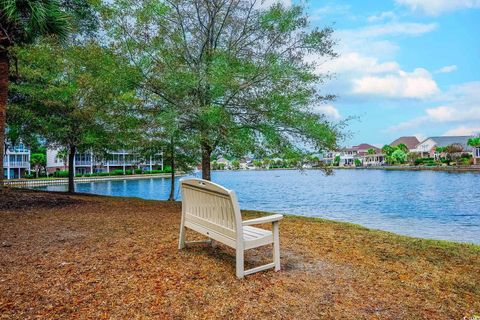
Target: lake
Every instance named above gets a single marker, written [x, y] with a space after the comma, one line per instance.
[427, 204]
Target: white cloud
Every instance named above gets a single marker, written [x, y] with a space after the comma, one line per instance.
[463, 131]
[377, 39]
[461, 104]
[355, 62]
[328, 110]
[320, 13]
[365, 67]
[401, 84]
[396, 29]
[455, 113]
[437, 7]
[386, 15]
[447, 69]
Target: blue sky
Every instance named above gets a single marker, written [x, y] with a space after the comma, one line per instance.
[406, 67]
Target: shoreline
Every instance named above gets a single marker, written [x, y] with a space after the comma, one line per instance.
[466, 169]
[56, 181]
[473, 169]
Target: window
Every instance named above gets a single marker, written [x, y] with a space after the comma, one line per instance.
[478, 152]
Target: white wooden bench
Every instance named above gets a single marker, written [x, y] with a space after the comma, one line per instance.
[213, 211]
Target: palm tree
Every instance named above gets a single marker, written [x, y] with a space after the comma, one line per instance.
[474, 142]
[23, 22]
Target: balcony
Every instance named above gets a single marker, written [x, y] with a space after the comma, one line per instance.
[83, 163]
[16, 164]
[119, 162]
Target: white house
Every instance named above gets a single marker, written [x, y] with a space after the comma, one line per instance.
[225, 163]
[89, 162]
[427, 147]
[16, 161]
[476, 155]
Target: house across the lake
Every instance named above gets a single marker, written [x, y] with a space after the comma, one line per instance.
[410, 142]
[476, 156]
[16, 161]
[427, 148]
[89, 162]
[367, 154]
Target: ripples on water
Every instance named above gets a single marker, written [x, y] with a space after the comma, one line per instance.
[426, 204]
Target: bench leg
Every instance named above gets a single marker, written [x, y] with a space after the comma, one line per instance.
[239, 263]
[276, 245]
[181, 240]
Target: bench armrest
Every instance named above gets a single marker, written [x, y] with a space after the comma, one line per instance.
[272, 218]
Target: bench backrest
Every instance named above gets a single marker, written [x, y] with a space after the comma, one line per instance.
[207, 206]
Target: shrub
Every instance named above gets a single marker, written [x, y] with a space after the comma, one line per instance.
[29, 176]
[420, 161]
[138, 171]
[116, 172]
[61, 174]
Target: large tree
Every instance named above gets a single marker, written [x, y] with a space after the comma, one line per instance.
[23, 22]
[238, 76]
[70, 95]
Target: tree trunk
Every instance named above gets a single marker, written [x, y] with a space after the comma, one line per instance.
[206, 154]
[71, 169]
[4, 73]
[172, 175]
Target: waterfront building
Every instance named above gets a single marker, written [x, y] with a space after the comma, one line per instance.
[88, 162]
[347, 156]
[16, 161]
[476, 156]
[410, 141]
[427, 148]
[225, 163]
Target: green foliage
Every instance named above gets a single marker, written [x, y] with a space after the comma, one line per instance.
[421, 161]
[388, 150]
[235, 164]
[227, 93]
[61, 174]
[358, 163]
[474, 142]
[26, 20]
[402, 147]
[336, 161]
[38, 159]
[398, 156]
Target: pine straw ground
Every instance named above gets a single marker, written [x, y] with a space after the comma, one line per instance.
[89, 257]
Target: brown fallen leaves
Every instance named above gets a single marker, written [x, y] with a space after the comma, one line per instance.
[90, 257]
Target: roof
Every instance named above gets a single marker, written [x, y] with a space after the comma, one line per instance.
[366, 146]
[444, 141]
[411, 142]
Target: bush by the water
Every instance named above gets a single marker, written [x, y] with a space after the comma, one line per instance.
[61, 174]
[421, 161]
